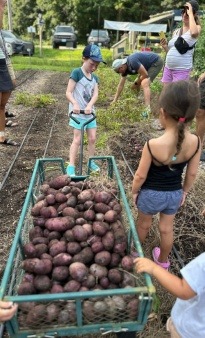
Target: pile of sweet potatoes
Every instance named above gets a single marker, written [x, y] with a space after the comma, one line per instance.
[77, 243]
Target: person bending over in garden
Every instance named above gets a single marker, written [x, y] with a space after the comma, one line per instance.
[7, 310]
[147, 65]
[157, 185]
[187, 315]
[82, 94]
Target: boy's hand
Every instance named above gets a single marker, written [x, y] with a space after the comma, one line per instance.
[144, 265]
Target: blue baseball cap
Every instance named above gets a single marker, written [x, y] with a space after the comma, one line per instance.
[93, 52]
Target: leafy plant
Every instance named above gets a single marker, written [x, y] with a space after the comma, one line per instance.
[31, 100]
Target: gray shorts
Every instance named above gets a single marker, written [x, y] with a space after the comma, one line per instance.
[155, 68]
[150, 202]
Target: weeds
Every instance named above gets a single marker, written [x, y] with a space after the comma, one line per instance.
[30, 100]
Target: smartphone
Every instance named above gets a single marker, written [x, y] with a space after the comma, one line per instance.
[162, 35]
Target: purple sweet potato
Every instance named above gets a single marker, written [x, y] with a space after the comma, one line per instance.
[54, 235]
[50, 199]
[40, 240]
[86, 195]
[101, 207]
[79, 233]
[108, 240]
[98, 270]
[44, 188]
[26, 288]
[73, 248]
[97, 247]
[72, 286]
[88, 228]
[35, 232]
[37, 266]
[60, 273]
[78, 271]
[103, 258]
[60, 197]
[115, 276]
[62, 259]
[80, 221]
[57, 248]
[127, 263]
[89, 282]
[87, 255]
[72, 212]
[120, 248]
[100, 228]
[69, 236]
[29, 250]
[89, 215]
[111, 216]
[46, 256]
[28, 277]
[40, 249]
[59, 181]
[39, 221]
[115, 260]
[48, 212]
[72, 201]
[60, 224]
[35, 210]
[52, 313]
[88, 205]
[57, 288]
[42, 283]
[36, 315]
[102, 197]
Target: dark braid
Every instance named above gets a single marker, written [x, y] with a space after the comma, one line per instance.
[180, 100]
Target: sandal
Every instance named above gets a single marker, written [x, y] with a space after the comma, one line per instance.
[7, 114]
[9, 124]
[155, 255]
[9, 142]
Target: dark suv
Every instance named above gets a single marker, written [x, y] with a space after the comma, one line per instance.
[64, 36]
[99, 37]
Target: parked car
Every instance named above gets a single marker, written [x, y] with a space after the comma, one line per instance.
[99, 37]
[15, 45]
[64, 36]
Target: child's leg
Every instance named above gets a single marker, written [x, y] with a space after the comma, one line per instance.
[74, 146]
[143, 225]
[166, 236]
[91, 133]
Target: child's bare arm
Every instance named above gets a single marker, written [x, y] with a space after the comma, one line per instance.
[175, 285]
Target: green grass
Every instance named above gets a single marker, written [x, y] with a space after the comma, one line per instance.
[60, 60]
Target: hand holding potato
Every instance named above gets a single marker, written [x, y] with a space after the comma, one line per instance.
[7, 310]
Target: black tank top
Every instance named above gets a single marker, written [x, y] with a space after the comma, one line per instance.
[165, 177]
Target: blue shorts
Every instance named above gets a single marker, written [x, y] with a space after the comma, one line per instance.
[150, 202]
[75, 125]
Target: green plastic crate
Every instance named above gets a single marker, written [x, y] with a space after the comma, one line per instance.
[73, 320]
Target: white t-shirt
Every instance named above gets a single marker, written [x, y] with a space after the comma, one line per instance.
[189, 315]
[175, 60]
[83, 91]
